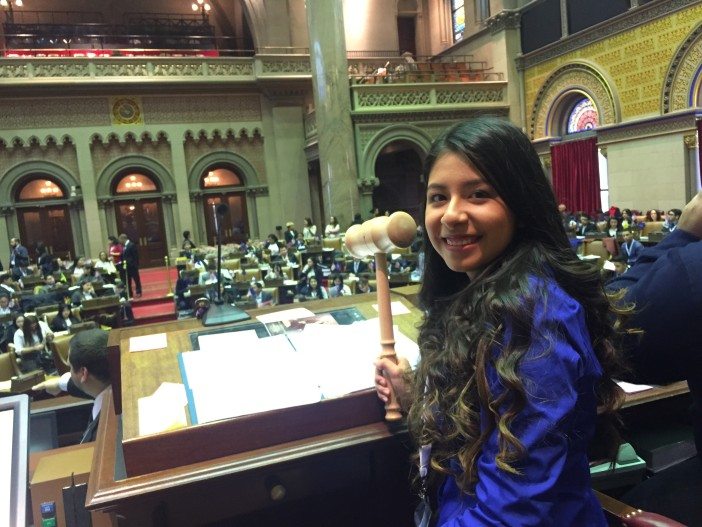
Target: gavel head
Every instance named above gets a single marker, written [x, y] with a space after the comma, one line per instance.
[380, 235]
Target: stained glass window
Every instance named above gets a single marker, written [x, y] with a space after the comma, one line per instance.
[583, 116]
[458, 19]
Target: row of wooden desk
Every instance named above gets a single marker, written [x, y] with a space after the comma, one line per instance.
[336, 462]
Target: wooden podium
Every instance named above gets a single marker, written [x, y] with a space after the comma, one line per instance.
[328, 455]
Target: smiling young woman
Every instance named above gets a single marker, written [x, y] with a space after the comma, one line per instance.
[517, 346]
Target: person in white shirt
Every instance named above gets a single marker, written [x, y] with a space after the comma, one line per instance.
[339, 288]
[89, 375]
[309, 231]
[31, 341]
[333, 228]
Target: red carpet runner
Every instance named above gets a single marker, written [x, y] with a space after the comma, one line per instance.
[155, 305]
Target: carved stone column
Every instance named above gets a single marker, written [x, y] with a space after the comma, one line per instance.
[172, 238]
[95, 230]
[183, 213]
[332, 100]
[5, 213]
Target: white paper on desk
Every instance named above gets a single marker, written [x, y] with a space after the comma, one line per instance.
[226, 384]
[163, 410]
[340, 358]
[405, 347]
[396, 308]
[633, 388]
[287, 314]
[148, 342]
[234, 340]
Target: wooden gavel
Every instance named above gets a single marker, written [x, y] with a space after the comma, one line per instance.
[376, 237]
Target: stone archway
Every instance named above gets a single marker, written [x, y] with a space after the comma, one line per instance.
[576, 77]
[683, 82]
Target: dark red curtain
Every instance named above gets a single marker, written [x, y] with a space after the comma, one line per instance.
[699, 146]
[576, 175]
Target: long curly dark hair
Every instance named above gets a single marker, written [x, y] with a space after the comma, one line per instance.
[465, 320]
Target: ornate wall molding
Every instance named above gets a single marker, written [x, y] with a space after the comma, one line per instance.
[285, 64]
[210, 136]
[682, 82]
[624, 22]
[214, 108]
[690, 141]
[568, 79]
[19, 71]
[257, 191]
[680, 122]
[427, 96]
[506, 19]
[366, 185]
[58, 112]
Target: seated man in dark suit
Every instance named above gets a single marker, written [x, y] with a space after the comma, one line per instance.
[89, 375]
[664, 284]
[586, 226]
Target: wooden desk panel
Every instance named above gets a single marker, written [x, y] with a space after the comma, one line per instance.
[143, 372]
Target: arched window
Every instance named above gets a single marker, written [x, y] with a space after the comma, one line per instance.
[135, 183]
[220, 177]
[583, 116]
[458, 19]
[40, 188]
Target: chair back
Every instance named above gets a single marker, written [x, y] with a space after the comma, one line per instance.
[8, 366]
[252, 273]
[82, 326]
[59, 347]
[43, 310]
[274, 293]
[651, 227]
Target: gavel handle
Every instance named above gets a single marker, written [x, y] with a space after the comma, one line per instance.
[387, 337]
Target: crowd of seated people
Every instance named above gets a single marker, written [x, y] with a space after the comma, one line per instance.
[291, 266]
[46, 294]
[625, 227]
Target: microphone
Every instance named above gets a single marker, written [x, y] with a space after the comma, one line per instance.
[222, 209]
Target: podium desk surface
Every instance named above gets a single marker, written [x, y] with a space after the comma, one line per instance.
[143, 372]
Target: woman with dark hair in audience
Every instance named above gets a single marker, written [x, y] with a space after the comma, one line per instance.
[31, 345]
[276, 273]
[64, 319]
[309, 231]
[272, 244]
[315, 290]
[614, 227]
[517, 346]
[106, 269]
[333, 228]
[339, 288]
[654, 215]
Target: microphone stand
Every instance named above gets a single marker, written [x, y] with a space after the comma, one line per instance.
[220, 312]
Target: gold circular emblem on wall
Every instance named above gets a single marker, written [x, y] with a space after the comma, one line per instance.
[126, 111]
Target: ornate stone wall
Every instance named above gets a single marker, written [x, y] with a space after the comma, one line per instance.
[15, 152]
[106, 150]
[637, 60]
[247, 144]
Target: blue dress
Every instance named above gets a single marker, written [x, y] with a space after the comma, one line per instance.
[559, 372]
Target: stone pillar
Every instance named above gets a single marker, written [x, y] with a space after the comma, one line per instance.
[564, 18]
[183, 217]
[95, 235]
[332, 101]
